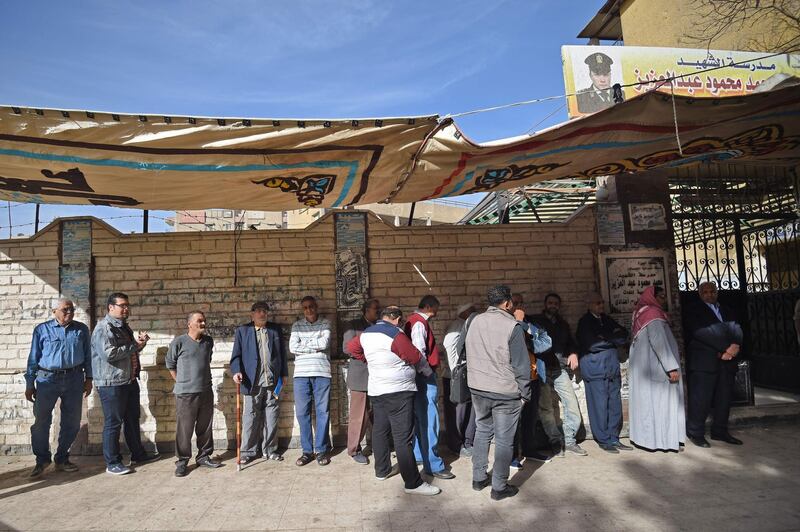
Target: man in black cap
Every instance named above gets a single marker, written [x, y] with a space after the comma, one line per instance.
[599, 95]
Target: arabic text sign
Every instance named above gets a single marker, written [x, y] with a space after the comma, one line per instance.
[709, 73]
[625, 278]
[647, 217]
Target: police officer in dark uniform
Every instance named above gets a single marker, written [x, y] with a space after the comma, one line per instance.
[599, 95]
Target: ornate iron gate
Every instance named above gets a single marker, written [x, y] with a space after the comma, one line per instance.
[742, 233]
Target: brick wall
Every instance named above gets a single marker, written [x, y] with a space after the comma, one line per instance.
[169, 275]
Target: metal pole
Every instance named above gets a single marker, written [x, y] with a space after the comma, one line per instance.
[411, 214]
[145, 221]
[36, 220]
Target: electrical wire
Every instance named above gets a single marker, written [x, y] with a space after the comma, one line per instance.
[659, 82]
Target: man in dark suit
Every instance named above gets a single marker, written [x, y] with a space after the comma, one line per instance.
[713, 339]
[258, 363]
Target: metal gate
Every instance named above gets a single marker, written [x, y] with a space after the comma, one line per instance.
[742, 233]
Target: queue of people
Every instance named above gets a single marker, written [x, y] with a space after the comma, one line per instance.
[512, 369]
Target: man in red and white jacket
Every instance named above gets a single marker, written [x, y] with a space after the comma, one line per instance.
[426, 403]
[393, 362]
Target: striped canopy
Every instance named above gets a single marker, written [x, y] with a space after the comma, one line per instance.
[175, 163]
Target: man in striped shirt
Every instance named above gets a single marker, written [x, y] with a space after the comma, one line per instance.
[310, 345]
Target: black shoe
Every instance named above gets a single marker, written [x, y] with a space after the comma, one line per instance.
[622, 447]
[539, 457]
[699, 441]
[208, 462]
[444, 474]
[66, 466]
[38, 469]
[146, 457]
[478, 485]
[181, 470]
[509, 491]
[610, 448]
[323, 459]
[727, 438]
[246, 459]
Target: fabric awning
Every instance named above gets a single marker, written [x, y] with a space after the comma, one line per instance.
[176, 163]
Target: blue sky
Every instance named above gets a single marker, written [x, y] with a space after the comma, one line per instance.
[279, 59]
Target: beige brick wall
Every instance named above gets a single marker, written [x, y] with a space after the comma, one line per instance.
[169, 275]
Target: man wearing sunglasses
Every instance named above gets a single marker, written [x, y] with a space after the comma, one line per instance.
[59, 367]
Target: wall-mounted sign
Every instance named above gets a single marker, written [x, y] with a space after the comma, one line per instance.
[624, 275]
[647, 216]
[591, 72]
[610, 225]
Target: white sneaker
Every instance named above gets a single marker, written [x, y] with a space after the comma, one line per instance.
[424, 489]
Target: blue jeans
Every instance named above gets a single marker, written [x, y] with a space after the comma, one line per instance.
[317, 389]
[559, 382]
[496, 418]
[121, 410]
[601, 375]
[426, 424]
[49, 388]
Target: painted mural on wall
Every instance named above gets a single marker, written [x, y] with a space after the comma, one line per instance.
[75, 275]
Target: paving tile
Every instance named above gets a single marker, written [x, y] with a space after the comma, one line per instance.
[752, 487]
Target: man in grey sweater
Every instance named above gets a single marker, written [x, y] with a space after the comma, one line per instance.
[499, 378]
[189, 363]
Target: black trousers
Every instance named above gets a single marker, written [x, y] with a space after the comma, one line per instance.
[525, 438]
[465, 423]
[393, 418]
[459, 421]
[195, 413]
[708, 388]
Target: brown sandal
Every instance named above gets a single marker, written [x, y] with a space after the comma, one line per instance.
[304, 459]
[323, 459]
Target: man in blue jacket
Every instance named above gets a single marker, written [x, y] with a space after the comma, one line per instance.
[598, 337]
[59, 367]
[258, 363]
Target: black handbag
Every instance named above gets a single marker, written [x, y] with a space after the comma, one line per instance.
[459, 391]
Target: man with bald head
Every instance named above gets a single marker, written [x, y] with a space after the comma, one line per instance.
[59, 367]
[189, 363]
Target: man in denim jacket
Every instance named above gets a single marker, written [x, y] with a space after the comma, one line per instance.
[115, 364]
[59, 367]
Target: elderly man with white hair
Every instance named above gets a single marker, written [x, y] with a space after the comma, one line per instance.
[59, 367]
[714, 339]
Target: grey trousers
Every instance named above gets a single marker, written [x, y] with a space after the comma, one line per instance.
[195, 413]
[498, 418]
[260, 422]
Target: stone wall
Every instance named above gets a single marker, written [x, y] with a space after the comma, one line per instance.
[168, 275]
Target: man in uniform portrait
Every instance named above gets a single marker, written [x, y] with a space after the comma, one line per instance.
[598, 95]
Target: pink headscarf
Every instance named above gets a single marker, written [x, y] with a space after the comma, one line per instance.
[647, 309]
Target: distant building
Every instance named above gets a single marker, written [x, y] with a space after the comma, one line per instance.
[425, 213]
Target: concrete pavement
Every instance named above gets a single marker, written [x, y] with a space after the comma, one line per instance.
[753, 487]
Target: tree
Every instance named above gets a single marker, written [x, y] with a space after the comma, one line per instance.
[773, 25]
